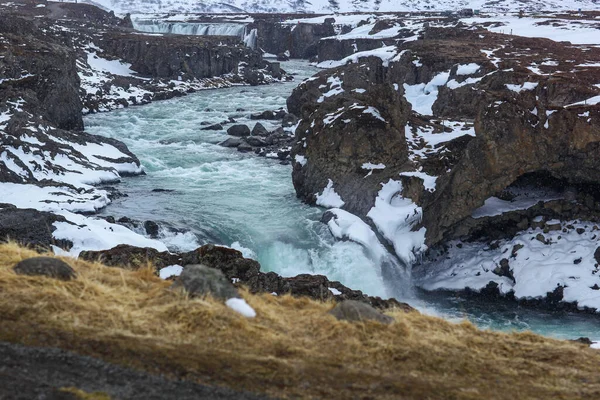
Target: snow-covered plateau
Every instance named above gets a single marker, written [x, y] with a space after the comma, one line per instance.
[328, 6]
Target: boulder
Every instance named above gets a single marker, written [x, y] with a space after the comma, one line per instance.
[256, 141]
[239, 130]
[213, 127]
[283, 57]
[231, 142]
[45, 266]
[244, 147]
[259, 130]
[289, 120]
[151, 228]
[199, 280]
[356, 311]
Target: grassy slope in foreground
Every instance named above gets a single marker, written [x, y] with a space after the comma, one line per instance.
[293, 348]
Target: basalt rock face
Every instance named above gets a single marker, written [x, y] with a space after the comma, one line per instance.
[173, 56]
[498, 112]
[301, 40]
[51, 86]
[358, 120]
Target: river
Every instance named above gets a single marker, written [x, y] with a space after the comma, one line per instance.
[218, 195]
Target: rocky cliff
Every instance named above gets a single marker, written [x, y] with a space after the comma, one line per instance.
[300, 40]
[444, 137]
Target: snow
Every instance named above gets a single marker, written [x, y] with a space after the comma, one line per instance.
[181, 7]
[395, 217]
[90, 233]
[467, 69]
[114, 67]
[335, 88]
[588, 102]
[422, 96]
[374, 112]
[334, 291]
[524, 86]
[574, 31]
[371, 166]
[300, 159]
[387, 54]
[422, 141]
[454, 84]
[347, 226]
[538, 268]
[169, 271]
[241, 307]
[428, 180]
[329, 198]
[523, 200]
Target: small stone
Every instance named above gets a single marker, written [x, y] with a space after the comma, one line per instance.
[351, 310]
[597, 255]
[45, 266]
[553, 226]
[541, 238]
[580, 230]
[515, 249]
[577, 261]
[200, 280]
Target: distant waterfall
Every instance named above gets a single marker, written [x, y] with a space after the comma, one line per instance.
[198, 28]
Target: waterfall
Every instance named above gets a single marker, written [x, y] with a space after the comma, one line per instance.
[198, 29]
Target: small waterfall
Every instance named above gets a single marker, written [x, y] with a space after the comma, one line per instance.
[198, 29]
[250, 38]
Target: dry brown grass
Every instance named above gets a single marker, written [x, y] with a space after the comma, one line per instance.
[292, 349]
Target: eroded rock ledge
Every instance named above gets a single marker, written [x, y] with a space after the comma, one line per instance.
[240, 270]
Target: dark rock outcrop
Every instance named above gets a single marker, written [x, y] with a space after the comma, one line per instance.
[376, 119]
[300, 39]
[520, 129]
[173, 56]
[30, 227]
[238, 269]
[42, 72]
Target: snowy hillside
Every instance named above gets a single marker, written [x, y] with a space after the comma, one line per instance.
[327, 6]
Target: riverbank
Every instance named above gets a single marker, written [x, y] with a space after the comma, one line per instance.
[292, 348]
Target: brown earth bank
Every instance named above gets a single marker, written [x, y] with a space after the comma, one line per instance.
[49, 373]
[293, 348]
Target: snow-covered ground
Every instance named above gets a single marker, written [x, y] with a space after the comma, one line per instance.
[328, 6]
[539, 262]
